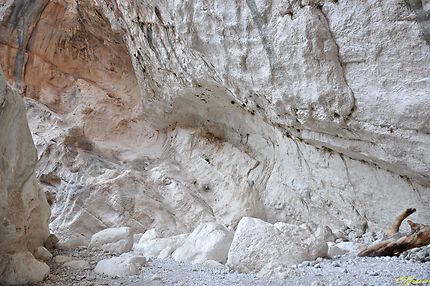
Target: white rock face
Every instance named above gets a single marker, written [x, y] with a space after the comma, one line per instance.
[115, 240]
[24, 211]
[294, 111]
[121, 266]
[22, 268]
[258, 244]
[209, 241]
[150, 246]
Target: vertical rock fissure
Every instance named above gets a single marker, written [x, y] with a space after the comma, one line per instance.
[342, 65]
[27, 48]
[259, 22]
[21, 19]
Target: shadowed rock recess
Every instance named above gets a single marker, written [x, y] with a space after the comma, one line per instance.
[185, 115]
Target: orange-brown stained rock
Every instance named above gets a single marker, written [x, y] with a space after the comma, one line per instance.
[46, 47]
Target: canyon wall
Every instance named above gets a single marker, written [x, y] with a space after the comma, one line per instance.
[167, 114]
[24, 211]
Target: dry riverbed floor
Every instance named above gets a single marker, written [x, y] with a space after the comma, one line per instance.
[344, 270]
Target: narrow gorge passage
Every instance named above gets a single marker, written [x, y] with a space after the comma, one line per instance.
[224, 139]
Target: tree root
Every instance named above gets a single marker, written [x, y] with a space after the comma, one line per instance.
[396, 242]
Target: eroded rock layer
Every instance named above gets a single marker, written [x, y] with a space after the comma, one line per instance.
[168, 114]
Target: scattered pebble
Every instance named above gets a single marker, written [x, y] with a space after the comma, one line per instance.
[363, 270]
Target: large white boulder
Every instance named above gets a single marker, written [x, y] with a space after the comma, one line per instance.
[159, 247]
[149, 235]
[209, 241]
[317, 238]
[115, 240]
[334, 251]
[22, 268]
[257, 244]
[121, 266]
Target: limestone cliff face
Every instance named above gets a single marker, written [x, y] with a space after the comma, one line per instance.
[24, 211]
[170, 114]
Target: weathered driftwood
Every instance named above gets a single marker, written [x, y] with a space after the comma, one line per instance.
[396, 242]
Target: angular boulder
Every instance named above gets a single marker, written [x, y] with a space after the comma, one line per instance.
[42, 254]
[149, 235]
[209, 241]
[349, 247]
[115, 240]
[51, 242]
[257, 244]
[22, 268]
[121, 266]
[159, 247]
[334, 251]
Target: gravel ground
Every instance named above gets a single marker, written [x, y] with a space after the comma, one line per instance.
[344, 270]
[156, 272]
[348, 270]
